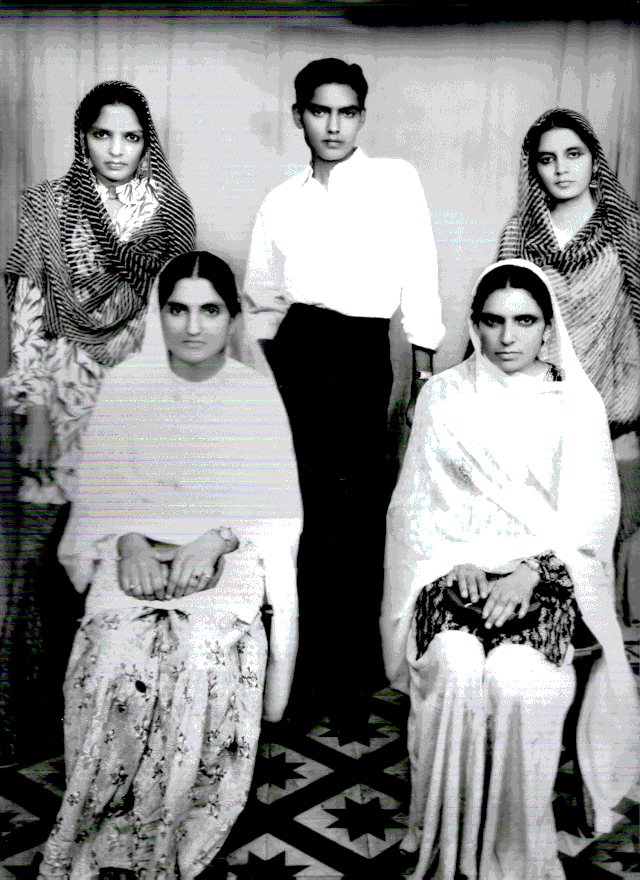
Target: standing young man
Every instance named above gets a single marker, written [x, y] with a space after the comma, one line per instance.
[335, 251]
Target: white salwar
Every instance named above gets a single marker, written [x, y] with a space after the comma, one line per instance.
[499, 469]
[461, 700]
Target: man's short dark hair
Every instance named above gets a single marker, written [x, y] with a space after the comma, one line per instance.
[329, 70]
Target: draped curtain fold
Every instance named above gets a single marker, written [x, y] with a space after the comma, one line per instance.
[454, 100]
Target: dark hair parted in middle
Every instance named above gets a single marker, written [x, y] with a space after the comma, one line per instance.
[113, 92]
[329, 70]
[559, 118]
[200, 264]
[517, 277]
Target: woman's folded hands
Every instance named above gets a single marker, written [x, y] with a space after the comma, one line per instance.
[140, 572]
[148, 570]
[503, 595]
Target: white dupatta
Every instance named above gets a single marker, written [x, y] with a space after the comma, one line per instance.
[501, 468]
[171, 459]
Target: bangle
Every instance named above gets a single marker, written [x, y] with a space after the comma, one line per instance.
[424, 375]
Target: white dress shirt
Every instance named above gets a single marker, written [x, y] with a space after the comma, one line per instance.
[362, 247]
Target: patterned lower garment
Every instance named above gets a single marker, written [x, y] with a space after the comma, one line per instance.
[550, 632]
[162, 722]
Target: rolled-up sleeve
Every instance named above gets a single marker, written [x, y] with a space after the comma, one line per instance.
[420, 301]
[265, 302]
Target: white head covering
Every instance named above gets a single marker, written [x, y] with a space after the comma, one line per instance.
[499, 468]
[172, 459]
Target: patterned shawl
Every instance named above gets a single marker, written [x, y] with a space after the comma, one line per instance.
[68, 247]
[589, 289]
[500, 468]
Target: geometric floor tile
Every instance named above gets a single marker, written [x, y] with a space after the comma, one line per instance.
[324, 805]
[48, 774]
[269, 857]
[390, 696]
[282, 771]
[13, 817]
[377, 732]
[400, 770]
[634, 794]
[617, 851]
[570, 845]
[22, 866]
[360, 819]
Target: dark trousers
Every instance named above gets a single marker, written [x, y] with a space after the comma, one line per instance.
[36, 638]
[334, 375]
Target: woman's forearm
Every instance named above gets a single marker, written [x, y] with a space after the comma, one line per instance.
[283, 648]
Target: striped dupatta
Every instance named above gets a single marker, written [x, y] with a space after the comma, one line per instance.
[68, 247]
[589, 289]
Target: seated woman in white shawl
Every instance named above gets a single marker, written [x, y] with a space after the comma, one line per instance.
[187, 519]
[500, 531]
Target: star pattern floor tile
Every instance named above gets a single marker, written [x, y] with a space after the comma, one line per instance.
[12, 817]
[400, 770]
[389, 696]
[372, 735]
[267, 853]
[281, 771]
[326, 803]
[361, 819]
[23, 866]
[49, 774]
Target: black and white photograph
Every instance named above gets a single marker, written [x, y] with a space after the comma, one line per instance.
[319, 441]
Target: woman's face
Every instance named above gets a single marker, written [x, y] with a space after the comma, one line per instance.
[512, 330]
[115, 144]
[564, 164]
[196, 325]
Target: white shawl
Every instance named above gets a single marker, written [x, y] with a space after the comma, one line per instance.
[171, 459]
[501, 468]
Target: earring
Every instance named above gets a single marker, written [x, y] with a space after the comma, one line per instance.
[143, 166]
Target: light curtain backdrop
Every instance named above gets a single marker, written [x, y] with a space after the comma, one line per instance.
[454, 100]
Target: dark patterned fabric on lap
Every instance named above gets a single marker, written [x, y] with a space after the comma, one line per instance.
[550, 632]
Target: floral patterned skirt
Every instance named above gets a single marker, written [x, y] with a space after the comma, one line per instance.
[162, 718]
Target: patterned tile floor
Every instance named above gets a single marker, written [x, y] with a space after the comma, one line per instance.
[321, 807]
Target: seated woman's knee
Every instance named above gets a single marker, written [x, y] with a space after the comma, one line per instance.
[520, 671]
[458, 653]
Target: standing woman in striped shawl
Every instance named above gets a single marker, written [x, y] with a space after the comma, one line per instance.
[574, 220]
[89, 245]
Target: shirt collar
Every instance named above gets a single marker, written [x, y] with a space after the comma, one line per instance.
[347, 167]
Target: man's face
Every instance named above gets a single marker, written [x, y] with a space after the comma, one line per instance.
[331, 122]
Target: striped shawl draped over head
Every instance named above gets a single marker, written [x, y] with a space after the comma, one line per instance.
[68, 247]
[615, 225]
